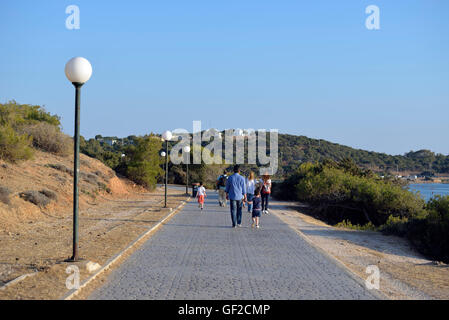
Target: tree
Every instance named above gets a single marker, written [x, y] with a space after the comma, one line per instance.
[143, 162]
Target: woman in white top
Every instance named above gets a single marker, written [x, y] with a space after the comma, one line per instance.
[250, 188]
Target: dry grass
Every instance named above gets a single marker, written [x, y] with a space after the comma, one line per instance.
[49, 194]
[35, 197]
[49, 138]
[60, 167]
[4, 195]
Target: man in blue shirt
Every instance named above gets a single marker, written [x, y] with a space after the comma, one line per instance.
[236, 193]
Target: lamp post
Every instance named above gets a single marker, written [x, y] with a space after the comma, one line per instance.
[78, 70]
[187, 150]
[167, 135]
[163, 154]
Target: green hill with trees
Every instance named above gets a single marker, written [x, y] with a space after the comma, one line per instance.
[295, 150]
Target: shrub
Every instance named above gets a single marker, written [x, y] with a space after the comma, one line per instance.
[35, 197]
[60, 167]
[4, 195]
[17, 114]
[285, 190]
[49, 194]
[88, 177]
[49, 138]
[340, 192]
[347, 224]
[142, 165]
[395, 225]
[356, 199]
[430, 234]
[101, 175]
[104, 187]
[13, 146]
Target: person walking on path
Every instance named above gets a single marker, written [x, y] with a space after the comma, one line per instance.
[201, 195]
[236, 193]
[221, 187]
[265, 192]
[257, 208]
[250, 188]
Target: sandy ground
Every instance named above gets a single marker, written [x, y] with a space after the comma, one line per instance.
[404, 273]
[104, 231]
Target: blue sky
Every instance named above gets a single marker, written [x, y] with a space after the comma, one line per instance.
[303, 67]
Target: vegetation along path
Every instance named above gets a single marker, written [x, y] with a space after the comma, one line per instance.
[197, 255]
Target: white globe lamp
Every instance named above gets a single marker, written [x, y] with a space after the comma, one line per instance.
[78, 70]
[167, 135]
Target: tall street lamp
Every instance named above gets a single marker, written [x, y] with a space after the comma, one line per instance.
[78, 70]
[187, 151]
[163, 154]
[167, 135]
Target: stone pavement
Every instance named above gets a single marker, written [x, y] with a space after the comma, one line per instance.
[197, 255]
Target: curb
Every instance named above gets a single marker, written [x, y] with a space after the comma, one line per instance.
[72, 293]
[377, 293]
[18, 279]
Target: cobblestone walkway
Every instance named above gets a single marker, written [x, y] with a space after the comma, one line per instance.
[197, 255]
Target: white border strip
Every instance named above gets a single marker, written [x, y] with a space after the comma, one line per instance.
[18, 279]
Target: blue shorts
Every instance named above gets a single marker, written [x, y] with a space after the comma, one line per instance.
[256, 213]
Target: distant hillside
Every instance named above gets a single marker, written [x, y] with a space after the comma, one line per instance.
[296, 149]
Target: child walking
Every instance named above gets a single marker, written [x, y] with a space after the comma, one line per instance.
[201, 195]
[257, 208]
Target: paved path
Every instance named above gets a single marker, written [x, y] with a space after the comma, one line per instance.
[197, 255]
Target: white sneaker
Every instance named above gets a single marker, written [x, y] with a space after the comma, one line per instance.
[239, 225]
[257, 227]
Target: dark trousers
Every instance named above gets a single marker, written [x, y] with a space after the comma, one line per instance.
[236, 211]
[265, 197]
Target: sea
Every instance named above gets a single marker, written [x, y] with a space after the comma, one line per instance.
[429, 190]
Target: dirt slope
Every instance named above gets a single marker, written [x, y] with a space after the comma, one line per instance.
[48, 172]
